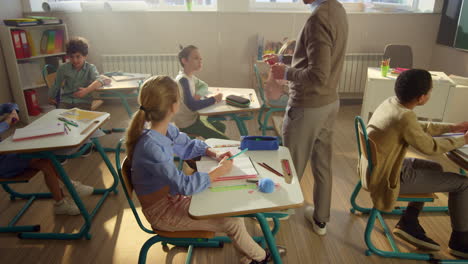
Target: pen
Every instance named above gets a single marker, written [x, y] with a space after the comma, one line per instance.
[273, 170]
[66, 125]
[242, 152]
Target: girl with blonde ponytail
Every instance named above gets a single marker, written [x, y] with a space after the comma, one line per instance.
[164, 191]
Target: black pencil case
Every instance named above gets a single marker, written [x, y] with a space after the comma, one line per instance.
[238, 101]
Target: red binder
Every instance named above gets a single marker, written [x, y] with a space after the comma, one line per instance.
[15, 36]
[25, 44]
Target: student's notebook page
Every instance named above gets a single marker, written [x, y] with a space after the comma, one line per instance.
[38, 131]
[241, 169]
[81, 115]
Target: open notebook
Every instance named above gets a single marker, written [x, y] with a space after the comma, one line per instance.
[242, 169]
[463, 151]
[81, 115]
[32, 132]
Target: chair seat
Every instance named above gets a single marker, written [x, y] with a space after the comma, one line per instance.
[419, 195]
[185, 234]
[23, 177]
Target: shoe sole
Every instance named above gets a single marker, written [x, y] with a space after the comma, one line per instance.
[318, 231]
[414, 241]
[458, 254]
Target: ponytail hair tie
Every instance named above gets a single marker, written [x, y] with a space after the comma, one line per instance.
[142, 108]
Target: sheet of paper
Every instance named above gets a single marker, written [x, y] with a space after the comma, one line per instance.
[242, 168]
[37, 131]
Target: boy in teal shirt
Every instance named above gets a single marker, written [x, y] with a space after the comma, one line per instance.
[78, 77]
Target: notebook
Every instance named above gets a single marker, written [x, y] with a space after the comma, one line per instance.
[242, 169]
[81, 115]
[463, 151]
[33, 132]
[129, 77]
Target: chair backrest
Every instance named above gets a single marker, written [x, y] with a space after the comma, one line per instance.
[367, 150]
[49, 73]
[259, 83]
[401, 56]
[125, 174]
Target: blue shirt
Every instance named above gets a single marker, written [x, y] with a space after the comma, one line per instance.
[153, 163]
[10, 164]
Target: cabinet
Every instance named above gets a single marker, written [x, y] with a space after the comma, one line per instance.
[25, 73]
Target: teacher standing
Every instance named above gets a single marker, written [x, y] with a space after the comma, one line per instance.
[313, 99]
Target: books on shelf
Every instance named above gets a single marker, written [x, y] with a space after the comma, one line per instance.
[52, 41]
[33, 132]
[30, 73]
[81, 115]
[20, 22]
[43, 20]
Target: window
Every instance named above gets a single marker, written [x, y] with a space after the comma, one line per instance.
[160, 4]
[350, 5]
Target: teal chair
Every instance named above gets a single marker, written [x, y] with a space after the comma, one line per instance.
[398, 210]
[31, 197]
[366, 151]
[189, 239]
[266, 108]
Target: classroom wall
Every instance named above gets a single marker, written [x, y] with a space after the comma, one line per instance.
[228, 39]
[450, 60]
[9, 9]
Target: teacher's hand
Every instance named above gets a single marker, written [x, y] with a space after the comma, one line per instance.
[277, 71]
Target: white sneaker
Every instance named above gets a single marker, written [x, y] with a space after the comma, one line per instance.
[320, 228]
[81, 189]
[66, 207]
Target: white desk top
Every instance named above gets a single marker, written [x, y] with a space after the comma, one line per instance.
[123, 85]
[73, 138]
[208, 204]
[374, 73]
[223, 108]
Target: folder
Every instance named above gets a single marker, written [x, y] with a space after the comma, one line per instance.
[39, 131]
[32, 48]
[25, 44]
[58, 41]
[51, 42]
[15, 35]
[43, 47]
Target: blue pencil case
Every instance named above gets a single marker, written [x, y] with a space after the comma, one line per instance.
[259, 143]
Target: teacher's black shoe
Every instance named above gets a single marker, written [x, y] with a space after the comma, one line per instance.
[413, 233]
[458, 245]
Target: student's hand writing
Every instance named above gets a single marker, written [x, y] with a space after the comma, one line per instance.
[225, 165]
[82, 92]
[197, 97]
[277, 71]
[218, 97]
[221, 155]
[460, 127]
[12, 118]
[271, 59]
[52, 101]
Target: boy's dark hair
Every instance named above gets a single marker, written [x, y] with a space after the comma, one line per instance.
[77, 45]
[412, 84]
[184, 52]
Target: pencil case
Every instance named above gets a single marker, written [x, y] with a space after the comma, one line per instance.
[238, 101]
[259, 143]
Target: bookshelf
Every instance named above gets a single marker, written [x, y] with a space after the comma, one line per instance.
[26, 73]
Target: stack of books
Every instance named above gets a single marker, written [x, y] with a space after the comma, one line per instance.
[21, 22]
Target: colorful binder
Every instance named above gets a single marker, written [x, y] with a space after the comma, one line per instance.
[58, 41]
[16, 38]
[25, 44]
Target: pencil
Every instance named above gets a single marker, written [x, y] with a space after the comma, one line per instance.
[243, 151]
[270, 169]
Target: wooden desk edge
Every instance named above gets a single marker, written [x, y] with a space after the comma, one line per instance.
[57, 148]
[457, 160]
[279, 208]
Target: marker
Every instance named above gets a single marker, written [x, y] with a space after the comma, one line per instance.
[242, 152]
[66, 125]
[70, 122]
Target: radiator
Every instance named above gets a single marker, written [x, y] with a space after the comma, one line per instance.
[154, 64]
[354, 75]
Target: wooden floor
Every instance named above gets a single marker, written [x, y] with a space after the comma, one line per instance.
[116, 237]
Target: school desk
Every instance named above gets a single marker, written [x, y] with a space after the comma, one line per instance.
[45, 147]
[248, 202]
[123, 90]
[379, 88]
[459, 160]
[226, 112]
